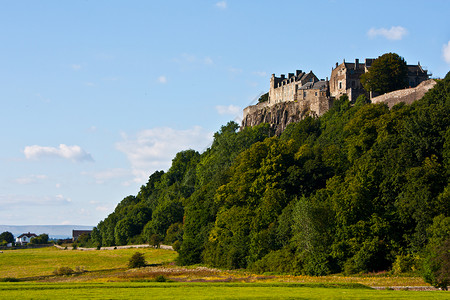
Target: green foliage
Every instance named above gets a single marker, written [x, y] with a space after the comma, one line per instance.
[6, 237]
[137, 261]
[355, 190]
[263, 98]
[436, 262]
[387, 73]
[40, 239]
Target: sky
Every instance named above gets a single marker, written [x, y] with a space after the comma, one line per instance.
[97, 95]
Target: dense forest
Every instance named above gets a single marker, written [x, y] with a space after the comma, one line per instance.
[363, 188]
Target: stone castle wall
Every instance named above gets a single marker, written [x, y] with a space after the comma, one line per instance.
[407, 96]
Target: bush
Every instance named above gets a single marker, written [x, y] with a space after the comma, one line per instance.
[404, 263]
[63, 271]
[9, 279]
[160, 278]
[137, 261]
[176, 246]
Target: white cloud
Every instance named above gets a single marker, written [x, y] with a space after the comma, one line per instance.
[260, 73]
[106, 175]
[446, 52]
[221, 4]
[394, 33]
[30, 179]
[74, 153]
[76, 67]
[9, 201]
[208, 60]
[228, 110]
[162, 79]
[153, 149]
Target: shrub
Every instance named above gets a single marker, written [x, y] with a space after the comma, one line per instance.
[63, 271]
[137, 261]
[404, 263]
[9, 279]
[160, 278]
[176, 245]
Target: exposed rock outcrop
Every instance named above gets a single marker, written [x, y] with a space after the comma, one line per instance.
[278, 116]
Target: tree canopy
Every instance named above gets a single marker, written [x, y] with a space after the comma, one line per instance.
[362, 188]
[387, 73]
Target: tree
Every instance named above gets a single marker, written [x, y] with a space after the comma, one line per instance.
[41, 239]
[263, 98]
[387, 73]
[7, 237]
[137, 261]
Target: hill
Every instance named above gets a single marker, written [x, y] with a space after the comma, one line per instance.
[362, 188]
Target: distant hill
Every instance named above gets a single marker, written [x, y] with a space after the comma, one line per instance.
[53, 231]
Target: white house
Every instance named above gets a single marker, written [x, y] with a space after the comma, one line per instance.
[25, 238]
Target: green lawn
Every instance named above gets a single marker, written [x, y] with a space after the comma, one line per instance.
[43, 261]
[133, 290]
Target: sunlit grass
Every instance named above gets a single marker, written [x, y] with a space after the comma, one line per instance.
[43, 261]
[133, 290]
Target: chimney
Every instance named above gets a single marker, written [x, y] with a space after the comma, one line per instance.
[336, 64]
[298, 72]
[282, 76]
[356, 64]
[290, 75]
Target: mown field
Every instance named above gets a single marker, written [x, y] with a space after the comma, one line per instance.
[132, 290]
[108, 278]
[43, 261]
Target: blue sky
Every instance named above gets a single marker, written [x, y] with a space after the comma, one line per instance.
[97, 95]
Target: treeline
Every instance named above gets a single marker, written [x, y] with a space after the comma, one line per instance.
[362, 188]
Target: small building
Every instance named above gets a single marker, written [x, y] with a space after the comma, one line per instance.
[284, 89]
[25, 238]
[77, 233]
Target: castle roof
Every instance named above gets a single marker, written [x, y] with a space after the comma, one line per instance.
[318, 85]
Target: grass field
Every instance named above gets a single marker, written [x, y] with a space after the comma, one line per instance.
[132, 290]
[108, 278]
[43, 261]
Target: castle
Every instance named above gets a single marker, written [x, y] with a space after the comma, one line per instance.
[317, 94]
[292, 98]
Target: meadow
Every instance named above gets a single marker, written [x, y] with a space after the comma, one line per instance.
[106, 276]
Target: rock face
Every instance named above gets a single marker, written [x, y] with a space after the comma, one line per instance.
[278, 116]
[407, 96]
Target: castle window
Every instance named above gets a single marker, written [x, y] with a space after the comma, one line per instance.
[304, 94]
[340, 84]
[315, 94]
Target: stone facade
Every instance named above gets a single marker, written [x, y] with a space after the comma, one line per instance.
[283, 89]
[345, 78]
[302, 94]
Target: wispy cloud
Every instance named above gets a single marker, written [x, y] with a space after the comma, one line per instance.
[221, 4]
[74, 153]
[30, 179]
[394, 33]
[76, 67]
[104, 176]
[446, 52]
[25, 200]
[153, 149]
[228, 110]
[162, 79]
[260, 73]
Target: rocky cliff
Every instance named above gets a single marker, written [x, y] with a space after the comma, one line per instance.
[278, 115]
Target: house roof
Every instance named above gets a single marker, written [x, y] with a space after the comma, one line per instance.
[29, 235]
[77, 233]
